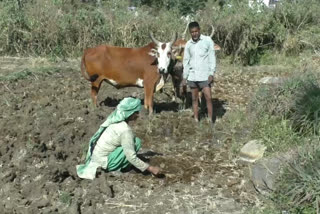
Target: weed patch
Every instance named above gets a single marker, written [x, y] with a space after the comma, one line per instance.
[298, 190]
[65, 197]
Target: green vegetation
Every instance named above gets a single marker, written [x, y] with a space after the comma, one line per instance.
[298, 189]
[65, 197]
[185, 7]
[287, 118]
[63, 28]
[295, 102]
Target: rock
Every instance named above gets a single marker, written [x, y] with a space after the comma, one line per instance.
[265, 171]
[271, 80]
[252, 151]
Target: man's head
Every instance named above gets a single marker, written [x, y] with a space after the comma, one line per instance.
[194, 29]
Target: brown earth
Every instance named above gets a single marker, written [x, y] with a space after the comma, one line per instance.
[47, 120]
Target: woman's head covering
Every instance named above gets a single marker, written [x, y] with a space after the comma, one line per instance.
[125, 109]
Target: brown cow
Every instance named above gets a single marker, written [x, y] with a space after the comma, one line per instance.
[176, 70]
[122, 67]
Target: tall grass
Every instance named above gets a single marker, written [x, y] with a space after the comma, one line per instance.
[247, 33]
[298, 186]
[305, 113]
[296, 100]
[287, 118]
[66, 27]
[62, 28]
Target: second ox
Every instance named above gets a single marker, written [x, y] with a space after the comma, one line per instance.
[122, 67]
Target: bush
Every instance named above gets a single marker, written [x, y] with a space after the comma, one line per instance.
[63, 28]
[298, 187]
[276, 133]
[296, 100]
[185, 7]
[247, 33]
[305, 112]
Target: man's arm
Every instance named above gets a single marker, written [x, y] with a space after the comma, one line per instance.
[211, 58]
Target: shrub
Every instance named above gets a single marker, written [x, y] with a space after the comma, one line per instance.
[298, 187]
[65, 197]
[297, 100]
[287, 114]
[277, 134]
[63, 28]
[247, 33]
[305, 112]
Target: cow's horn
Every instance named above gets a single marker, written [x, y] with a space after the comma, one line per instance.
[185, 32]
[212, 32]
[174, 38]
[153, 39]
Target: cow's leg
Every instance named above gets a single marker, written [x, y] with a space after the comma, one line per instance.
[175, 89]
[95, 86]
[148, 98]
[94, 94]
[149, 87]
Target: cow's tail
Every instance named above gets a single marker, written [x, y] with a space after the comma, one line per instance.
[83, 69]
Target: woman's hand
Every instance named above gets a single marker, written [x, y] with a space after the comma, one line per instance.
[154, 170]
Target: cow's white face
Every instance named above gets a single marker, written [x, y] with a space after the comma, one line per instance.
[163, 52]
[164, 57]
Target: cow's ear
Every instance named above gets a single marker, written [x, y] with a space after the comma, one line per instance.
[153, 52]
[176, 52]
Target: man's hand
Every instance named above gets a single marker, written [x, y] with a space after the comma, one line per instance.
[154, 170]
[184, 82]
[210, 79]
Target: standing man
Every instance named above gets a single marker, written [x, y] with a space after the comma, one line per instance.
[199, 67]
